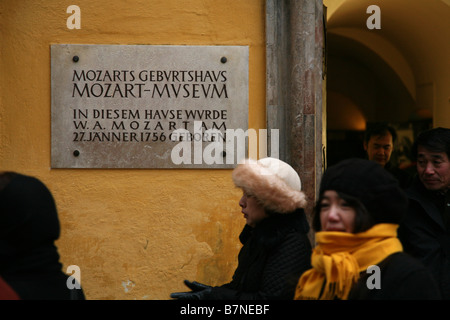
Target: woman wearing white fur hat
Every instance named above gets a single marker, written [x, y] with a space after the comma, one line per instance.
[276, 249]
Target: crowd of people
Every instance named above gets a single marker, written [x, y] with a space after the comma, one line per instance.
[378, 234]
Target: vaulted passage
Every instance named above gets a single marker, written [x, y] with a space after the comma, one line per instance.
[397, 74]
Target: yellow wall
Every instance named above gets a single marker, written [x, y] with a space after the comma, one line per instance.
[135, 234]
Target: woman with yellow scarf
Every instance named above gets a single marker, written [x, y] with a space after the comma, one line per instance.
[357, 253]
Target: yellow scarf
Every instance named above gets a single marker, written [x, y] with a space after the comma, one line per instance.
[339, 257]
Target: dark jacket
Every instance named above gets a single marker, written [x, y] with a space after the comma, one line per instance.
[6, 292]
[425, 236]
[29, 227]
[273, 257]
[401, 277]
[405, 177]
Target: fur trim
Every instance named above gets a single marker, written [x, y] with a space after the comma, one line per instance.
[271, 191]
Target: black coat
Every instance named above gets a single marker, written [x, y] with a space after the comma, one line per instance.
[29, 227]
[425, 236]
[401, 277]
[274, 255]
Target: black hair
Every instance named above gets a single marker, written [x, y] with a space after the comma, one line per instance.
[5, 178]
[363, 219]
[435, 140]
[379, 129]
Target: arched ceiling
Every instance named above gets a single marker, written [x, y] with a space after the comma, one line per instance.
[413, 40]
[343, 105]
[404, 24]
[362, 76]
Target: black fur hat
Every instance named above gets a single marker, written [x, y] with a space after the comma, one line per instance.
[375, 187]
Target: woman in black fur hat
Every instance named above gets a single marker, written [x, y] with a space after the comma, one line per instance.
[358, 254]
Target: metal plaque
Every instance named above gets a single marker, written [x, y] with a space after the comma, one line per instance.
[146, 106]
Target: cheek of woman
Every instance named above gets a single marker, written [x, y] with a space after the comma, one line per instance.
[335, 214]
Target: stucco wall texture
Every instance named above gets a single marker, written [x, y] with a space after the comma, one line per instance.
[134, 233]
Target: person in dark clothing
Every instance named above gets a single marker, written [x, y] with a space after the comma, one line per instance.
[276, 249]
[379, 142]
[6, 292]
[358, 255]
[425, 232]
[402, 277]
[29, 227]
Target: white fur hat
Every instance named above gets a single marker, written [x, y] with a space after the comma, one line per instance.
[273, 182]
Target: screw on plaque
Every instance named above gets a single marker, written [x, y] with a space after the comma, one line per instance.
[223, 59]
[75, 58]
[76, 153]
